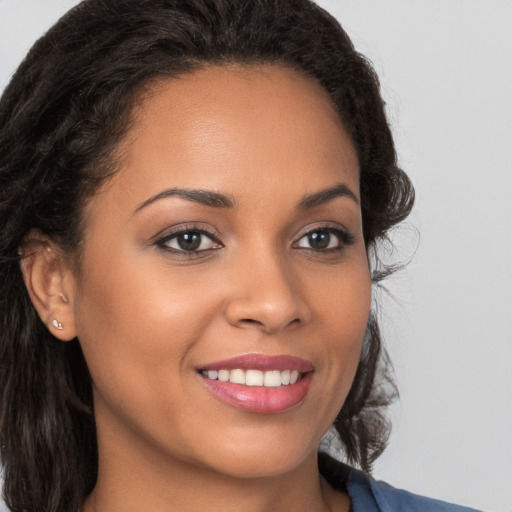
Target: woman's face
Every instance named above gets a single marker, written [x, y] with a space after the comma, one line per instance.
[228, 246]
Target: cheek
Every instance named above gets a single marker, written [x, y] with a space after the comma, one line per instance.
[344, 300]
[134, 322]
[345, 310]
[139, 329]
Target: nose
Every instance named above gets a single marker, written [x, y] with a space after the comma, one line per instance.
[266, 295]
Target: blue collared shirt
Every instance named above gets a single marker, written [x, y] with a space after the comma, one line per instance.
[369, 495]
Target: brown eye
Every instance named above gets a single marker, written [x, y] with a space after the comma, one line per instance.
[189, 241]
[319, 239]
[325, 239]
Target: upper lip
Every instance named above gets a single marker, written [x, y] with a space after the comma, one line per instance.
[261, 362]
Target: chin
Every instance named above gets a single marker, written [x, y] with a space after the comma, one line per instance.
[264, 456]
[260, 467]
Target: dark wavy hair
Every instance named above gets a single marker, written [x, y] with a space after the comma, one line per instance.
[62, 116]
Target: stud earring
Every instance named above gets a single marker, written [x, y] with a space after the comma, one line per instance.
[57, 325]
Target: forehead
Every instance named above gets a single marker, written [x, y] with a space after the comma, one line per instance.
[235, 129]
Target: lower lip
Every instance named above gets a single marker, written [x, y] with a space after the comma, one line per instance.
[260, 399]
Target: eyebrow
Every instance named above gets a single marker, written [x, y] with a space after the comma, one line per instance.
[206, 197]
[216, 200]
[326, 195]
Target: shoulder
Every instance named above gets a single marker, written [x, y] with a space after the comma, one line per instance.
[369, 495]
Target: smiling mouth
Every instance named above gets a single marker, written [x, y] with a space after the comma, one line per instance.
[259, 383]
[256, 378]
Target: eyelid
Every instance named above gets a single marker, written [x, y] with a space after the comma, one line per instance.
[161, 238]
[345, 236]
[184, 227]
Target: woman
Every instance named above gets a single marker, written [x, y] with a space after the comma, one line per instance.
[191, 194]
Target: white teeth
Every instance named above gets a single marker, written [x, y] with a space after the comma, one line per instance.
[254, 378]
[270, 378]
[223, 375]
[237, 377]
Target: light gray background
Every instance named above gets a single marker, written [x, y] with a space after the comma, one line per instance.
[446, 73]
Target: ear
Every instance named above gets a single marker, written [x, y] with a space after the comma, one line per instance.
[50, 283]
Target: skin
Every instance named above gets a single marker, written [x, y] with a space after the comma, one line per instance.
[149, 315]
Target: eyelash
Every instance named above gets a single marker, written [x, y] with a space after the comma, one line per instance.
[173, 235]
[345, 239]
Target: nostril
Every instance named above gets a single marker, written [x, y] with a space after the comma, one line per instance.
[250, 321]
[265, 326]
[270, 313]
